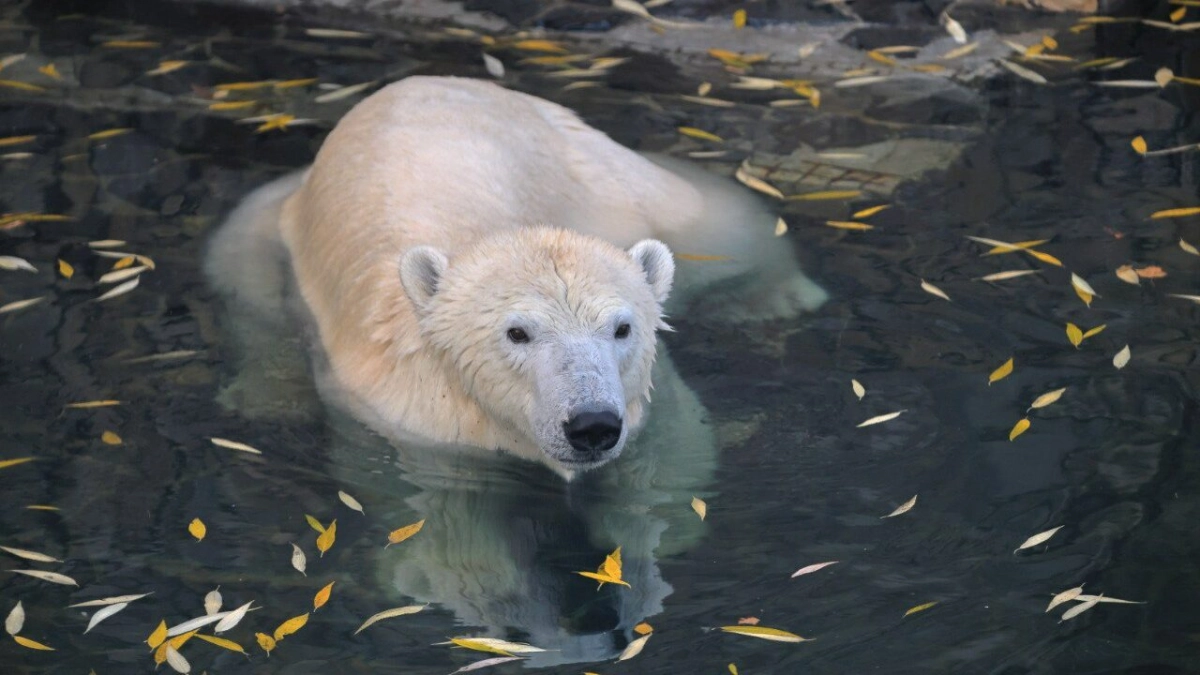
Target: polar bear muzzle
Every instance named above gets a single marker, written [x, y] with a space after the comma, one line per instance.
[593, 432]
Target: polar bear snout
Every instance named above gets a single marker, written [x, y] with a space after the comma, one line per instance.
[593, 432]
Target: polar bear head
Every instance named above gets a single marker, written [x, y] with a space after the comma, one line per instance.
[551, 332]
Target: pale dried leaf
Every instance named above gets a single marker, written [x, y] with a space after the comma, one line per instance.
[1105, 598]
[1065, 596]
[1078, 609]
[15, 620]
[120, 290]
[103, 613]
[757, 183]
[764, 633]
[954, 28]
[197, 623]
[809, 569]
[349, 501]
[1125, 273]
[486, 663]
[903, 508]
[389, 614]
[634, 648]
[1121, 358]
[1047, 398]
[213, 601]
[121, 275]
[1188, 248]
[177, 662]
[699, 507]
[232, 618]
[1079, 283]
[52, 577]
[933, 290]
[1023, 72]
[1039, 538]
[116, 599]
[299, 560]
[234, 445]
[494, 66]
[882, 418]
[20, 304]
[30, 555]
[859, 390]
[13, 263]
[1009, 274]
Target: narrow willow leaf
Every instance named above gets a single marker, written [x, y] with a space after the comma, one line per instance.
[234, 445]
[826, 195]
[1008, 274]
[1047, 398]
[764, 633]
[1044, 257]
[159, 634]
[13, 264]
[30, 555]
[882, 418]
[1019, 428]
[290, 626]
[849, 225]
[322, 596]
[5, 463]
[954, 28]
[266, 642]
[867, 213]
[633, 648]
[699, 507]
[108, 133]
[859, 390]
[299, 560]
[1094, 331]
[1079, 283]
[336, 33]
[809, 569]
[222, 643]
[314, 523]
[196, 623]
[232, 618]
[959, 52]
[1000, 373]
[1023, 72]
[389, 614]
[1083, 295]
[1078, 609]
[1039, 538]
[1074, 335]
[344, 92]
[1121, 358]
[52, 577]
[103, 613]
[15, 620]
[85, 405]
[755, 183]
[18, 305]
[111, 601]
[1176, 213]
[120, 289]
[349, 501]
[1065, 596]
[197, 529]
[325, 539]
[919, 608]
[1193, 298]
[400, 534]
[487, 663]
[903, 508]
[121, 275]
[31, 644]
[933, 290]
[693, 132]
[176, 661]
[1105, 598]
[493, 645]
[1188, 248]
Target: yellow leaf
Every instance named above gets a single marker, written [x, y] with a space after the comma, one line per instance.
[243, 86]
[548, 46]
[197, 529]
[108, 133]
[15, 140]
[849, 225]
[867, 213]
[643, 628]
[1188, 248]
[31, 644]
[603, 578]
[156, 638]
[50, 70]
[278, 121]
[764, 633]
[1000, 373]
[314, 523]
[825, 195]
[65, 269]
[881, 58]
[612, 564]
[291, 84]
[1050, 42]
[325, 541]
[265, 641]
[701, 134]
[1094, 331]
[5, 463]
[110, 438]
[1019, 428]
[92, 404]
[231, 105]
[222, 642]
[920, 608]
[1139, 145]
[290, 626]
[1176, 213]
[23, 86]
[1083, 295]
[479, 646]
[160, 654]
[1074, 335]
[165, 67]
[732, 669]
[699, 507]
[400, 534]
[1044, 257]
[130, 44]
[322, 596]
[739, 18]
[121, 264]
[701, 258]
[1177, 15]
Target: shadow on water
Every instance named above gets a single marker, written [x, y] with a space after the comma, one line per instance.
[1113, 461]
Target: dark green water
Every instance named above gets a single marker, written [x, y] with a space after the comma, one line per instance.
[1113, 461]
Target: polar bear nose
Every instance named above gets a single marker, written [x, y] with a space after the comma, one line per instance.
[593, 431]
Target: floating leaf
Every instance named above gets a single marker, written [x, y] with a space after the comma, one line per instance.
[1121, 358]
[160, 633]
[827, 195]
[1065, 596]
[1039, 538]
[1188, 248]
[1019, 428]
[643, 628]
[634, 648]
[290, 626]
[919, 608]
[548, 46]
[954, 28]
[278, 121]
[232, 618]
[1047, 398]
[701, 134]
[493, 66]
[903, 508]
[30, 555]
[1139, 145]
[165, 67]
[13, 263]
[349, 501]
[325, 539]
[345, 92]
[1193, 298]
[16, 140]
[52, 577]
[493, 645]
[699, 507]
[1176, 213]
[266, 642]
[400, 534]
[108, 133]
[1000, 373]
[121, 289]
[5, 463]
[1083, 286]
[234, 445]
[764, 633]
[859, 390]
[19, 305]
[299, 561]
[15, 620]
[809, 569]
[92, 404]
[103, 613]
[31, 644]
[117, 599]
[23, 86]
[739, 21]
[322, 596]
[933, 290]
[197, 529]
[867, 213]
[781, 227]
[192, 625]
[755, 183]
[1094, 331]
[1009, 274]
[1105, 598]
[221, 642]
[122, 274]
[336, 33]
[314, 523]
[65, 269]
[389, 614]
[110, 438]
[1151, 272]
[1128, 275]
[487, 663]
[849, 225]
[1074, 335]
[1023, 72]
[213, 601]
[881, 418]
[1078, 609]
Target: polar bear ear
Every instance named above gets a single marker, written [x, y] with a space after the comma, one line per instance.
[656, 262]
[421, 268]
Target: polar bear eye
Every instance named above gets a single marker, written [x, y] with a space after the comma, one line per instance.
[517, 335]
[622, 331]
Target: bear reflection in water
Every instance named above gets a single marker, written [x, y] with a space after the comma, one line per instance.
[408, 282]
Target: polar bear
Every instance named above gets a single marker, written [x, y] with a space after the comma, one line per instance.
[456, 247]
